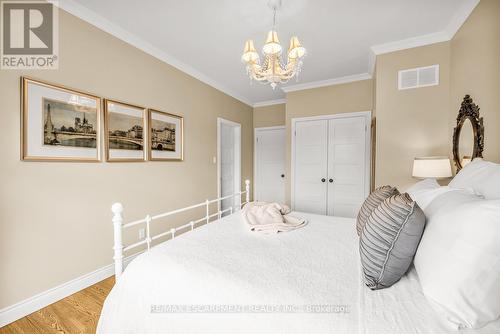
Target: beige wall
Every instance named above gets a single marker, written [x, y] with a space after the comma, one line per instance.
[413, 122]
[269, 116]
[350, 97]
[475, 70]
[55, 220]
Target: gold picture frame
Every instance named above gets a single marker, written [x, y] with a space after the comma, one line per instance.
[165, 143]
[124, 137]
[68, 137]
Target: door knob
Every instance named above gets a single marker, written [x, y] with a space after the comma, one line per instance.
[330, 180]
[282, 175]
[323, 180]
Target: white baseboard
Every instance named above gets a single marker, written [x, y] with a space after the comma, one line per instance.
[23, 308]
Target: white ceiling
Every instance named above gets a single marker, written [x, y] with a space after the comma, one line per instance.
[205, 38]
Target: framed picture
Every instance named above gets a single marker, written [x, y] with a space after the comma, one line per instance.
[125, 131]
[59, 123]
[166, 136]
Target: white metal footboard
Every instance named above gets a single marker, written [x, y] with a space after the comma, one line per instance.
[118, 224]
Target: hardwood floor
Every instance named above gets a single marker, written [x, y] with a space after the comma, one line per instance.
[77, 313]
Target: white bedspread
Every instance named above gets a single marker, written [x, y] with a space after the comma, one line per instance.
[225, 264]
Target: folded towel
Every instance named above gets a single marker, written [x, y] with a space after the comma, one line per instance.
[270, 217]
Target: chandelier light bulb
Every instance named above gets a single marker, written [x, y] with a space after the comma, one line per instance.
[296, 50]
[272, 46]
[250, 54]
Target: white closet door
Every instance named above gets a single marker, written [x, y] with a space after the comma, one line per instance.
[346, 166]
[311, 149]
[270, 165]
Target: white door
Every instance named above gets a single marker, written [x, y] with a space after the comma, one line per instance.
[346, 165]
[310, 172]
[229, 163]
[270, 164]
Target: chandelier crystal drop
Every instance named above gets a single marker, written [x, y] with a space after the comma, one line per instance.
[272, 70]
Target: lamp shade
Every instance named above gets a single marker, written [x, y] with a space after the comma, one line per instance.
[249, 52]
[295, 50]
[432, 167]
[272, 45]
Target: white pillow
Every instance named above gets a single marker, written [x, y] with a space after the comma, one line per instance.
[424, 192]
[450, 199]
[426, 184]
[481, 176]
[458, 259]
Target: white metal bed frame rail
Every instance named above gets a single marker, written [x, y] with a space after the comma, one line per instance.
[119, 226]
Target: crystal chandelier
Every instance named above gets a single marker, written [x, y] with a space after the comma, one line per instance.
[272, 70]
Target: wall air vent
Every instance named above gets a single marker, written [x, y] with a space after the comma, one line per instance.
[418, 77]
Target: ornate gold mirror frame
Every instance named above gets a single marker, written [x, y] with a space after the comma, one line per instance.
[469, 110]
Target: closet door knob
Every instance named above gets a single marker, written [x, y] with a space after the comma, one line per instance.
[323, 180]
[330, 180]
[282, 175]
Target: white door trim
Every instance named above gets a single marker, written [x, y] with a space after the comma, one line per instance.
[237, 158]
[368, 118]
[255, 173]
[279, 127]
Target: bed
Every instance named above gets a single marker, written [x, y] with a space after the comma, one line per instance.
[222, 278]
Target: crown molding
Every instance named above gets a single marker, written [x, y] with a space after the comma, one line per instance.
[372, 61]
[442, 36]
[100, 22]
[460, 17]
[410, 43]
[329, 82]
[269, 103]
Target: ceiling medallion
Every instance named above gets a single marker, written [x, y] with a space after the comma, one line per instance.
[272, 70]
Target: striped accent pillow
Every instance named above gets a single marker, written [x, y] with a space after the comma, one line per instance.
[389, 240]
[371, 203]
